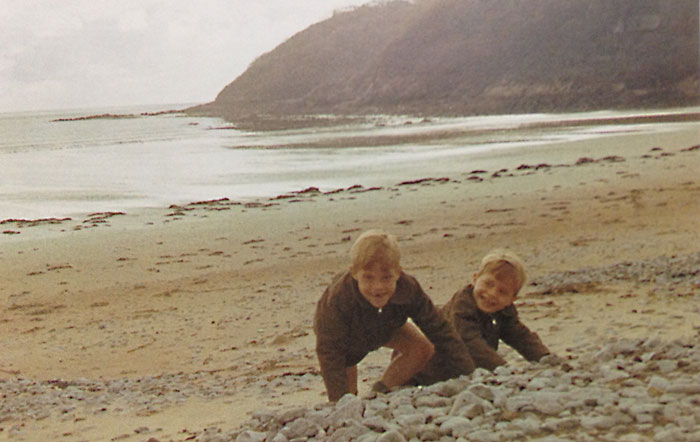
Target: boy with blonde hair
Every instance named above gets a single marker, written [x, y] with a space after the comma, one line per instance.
[483, 312]
[367, 307]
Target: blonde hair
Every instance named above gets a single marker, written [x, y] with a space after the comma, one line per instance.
[375, 246]
[500, 259]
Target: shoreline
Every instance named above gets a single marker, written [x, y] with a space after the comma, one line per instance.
[440, 148]
[192, 317]
[507, 160]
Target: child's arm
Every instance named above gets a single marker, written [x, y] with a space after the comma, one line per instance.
[521, 338]
[331, 342]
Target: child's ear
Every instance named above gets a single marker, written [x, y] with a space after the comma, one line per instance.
[476, 276]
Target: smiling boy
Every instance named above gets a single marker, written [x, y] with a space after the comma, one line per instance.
[483, 312]
[367, 307]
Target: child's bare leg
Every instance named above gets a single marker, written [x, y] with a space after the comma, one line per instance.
[414, 352]
[352, 379]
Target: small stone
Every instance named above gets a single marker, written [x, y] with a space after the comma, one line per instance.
[666, 366]
[482, 391]
[669, 435]
[251, 436]
[659, 383]
[518, 403]
[484, 436]
[432, 401]
[528, 425]
[391, 436]
[684, 387]
[597, 422]
[349, 407]
[352, 431]
[410, 420]
[300, 428]
[548, 403]
[456, 426]
[463, 399]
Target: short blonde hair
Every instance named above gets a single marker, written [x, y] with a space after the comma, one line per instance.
[500, 259]
[375, 246]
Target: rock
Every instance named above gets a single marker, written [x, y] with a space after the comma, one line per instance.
[368, 437]
[658, 383]
[684, 388]
[251, 436]
[353, 430]
[482, 391]
[391, 436]
[448, 388]
[410, 420]
[300, 428]
[456, 426]
[472, 411]
[518, 403]
[672, 434]
[291, 415]
[667, 366]
[349, 407]
[548, 403]
[597, 422]
[467, 398]
[432, 401]
[484, 436]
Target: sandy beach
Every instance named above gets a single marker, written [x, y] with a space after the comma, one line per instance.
[164, 324]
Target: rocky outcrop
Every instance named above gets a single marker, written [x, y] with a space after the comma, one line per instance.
[461, 57]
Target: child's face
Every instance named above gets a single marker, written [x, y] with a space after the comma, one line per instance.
[494, 292]
[377, 283]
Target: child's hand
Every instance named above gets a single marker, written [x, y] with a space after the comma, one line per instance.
[552, 360]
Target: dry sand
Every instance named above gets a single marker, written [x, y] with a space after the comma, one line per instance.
[223, 292]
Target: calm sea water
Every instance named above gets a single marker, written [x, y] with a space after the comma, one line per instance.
[56, 169]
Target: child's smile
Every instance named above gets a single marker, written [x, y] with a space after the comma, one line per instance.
[377, 283]
[492, 294]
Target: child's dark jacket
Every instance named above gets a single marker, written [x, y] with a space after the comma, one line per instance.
[481, 331]
[348, 327]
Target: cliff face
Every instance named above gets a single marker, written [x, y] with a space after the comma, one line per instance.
[460, 57]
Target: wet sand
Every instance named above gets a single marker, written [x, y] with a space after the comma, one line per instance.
[172, 321]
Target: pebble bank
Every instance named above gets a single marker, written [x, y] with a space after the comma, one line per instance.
[616, 390]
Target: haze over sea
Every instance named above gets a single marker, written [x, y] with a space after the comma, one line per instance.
[59, 169]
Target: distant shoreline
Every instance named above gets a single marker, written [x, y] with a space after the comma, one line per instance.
[110, 116]
[439, 153]
[398, 139]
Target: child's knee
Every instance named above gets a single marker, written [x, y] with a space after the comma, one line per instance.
[425, 352]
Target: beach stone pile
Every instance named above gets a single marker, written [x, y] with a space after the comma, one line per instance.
[666, 274]
[622, 390]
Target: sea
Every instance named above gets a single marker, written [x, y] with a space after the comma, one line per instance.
[62, 163]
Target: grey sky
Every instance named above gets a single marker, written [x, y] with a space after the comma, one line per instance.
[93, 53]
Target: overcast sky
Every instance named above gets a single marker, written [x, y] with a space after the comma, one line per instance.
[94, 53]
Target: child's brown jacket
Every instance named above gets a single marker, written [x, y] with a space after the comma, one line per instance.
[481, 331]
[348, 327]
